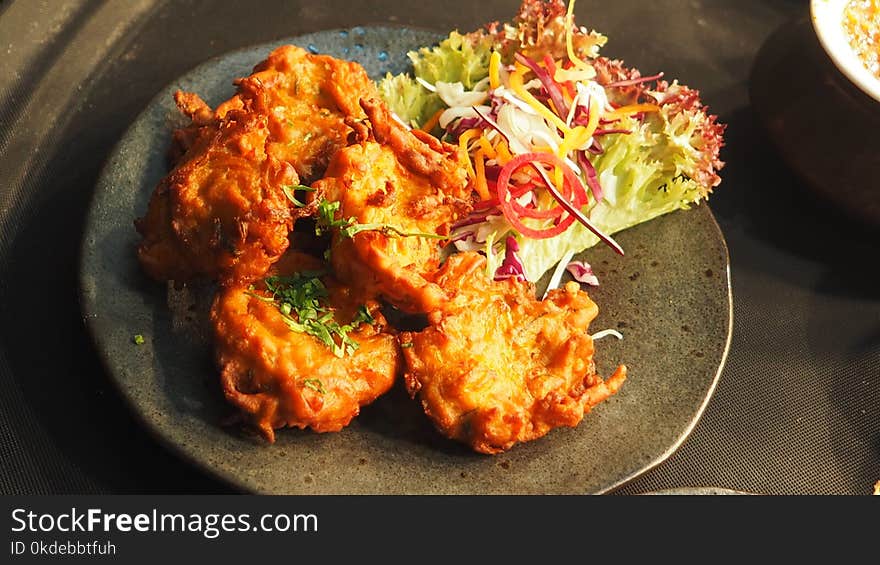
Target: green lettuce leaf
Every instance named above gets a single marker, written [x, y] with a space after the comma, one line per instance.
[412, 102]
[644, 174]
[458, 58]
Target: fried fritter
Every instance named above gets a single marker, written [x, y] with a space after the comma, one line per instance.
[399, 179]
[278, 377]
[307, 99]
[497, 366]
[222, 212]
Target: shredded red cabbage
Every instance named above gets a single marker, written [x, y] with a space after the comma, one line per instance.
[493, 124]
[476, 218]
[458, 127]
[633, 81]
[581, 116]
[550, 85]
[492, 172]
[590, 174]
[460, 237]
[512, 266]
[582, 272]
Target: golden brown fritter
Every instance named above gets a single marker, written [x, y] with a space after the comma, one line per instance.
[222, 213]
[203, 124]
[497, 366]
[405, 180]
[307, 99]
[278, 377]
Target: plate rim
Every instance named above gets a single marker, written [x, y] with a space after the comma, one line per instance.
[717, 377]
[88, 306]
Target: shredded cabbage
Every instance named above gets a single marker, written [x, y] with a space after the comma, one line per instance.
[647, 164]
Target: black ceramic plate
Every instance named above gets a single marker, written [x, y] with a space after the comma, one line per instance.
[670, 296]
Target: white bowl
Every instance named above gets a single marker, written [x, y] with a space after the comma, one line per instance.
[827, 16]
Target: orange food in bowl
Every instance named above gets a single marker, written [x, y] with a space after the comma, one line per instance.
[861, 22]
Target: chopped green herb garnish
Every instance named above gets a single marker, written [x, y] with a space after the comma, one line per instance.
[138, 339]
[327, 218]
[406, 345]
[290, 192]
[349, 227]
[314, 384]
[300, 300]
[363, 316]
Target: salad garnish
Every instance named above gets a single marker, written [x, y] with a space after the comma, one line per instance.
[563, 147]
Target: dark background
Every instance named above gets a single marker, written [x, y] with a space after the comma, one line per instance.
[796, 410]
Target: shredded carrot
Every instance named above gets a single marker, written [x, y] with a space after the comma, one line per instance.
[487, 148]
[494, 73]
[593, 122]
[569, 44]
[516, 84]
[463, 149]
[432, 121]
[576, 138]
[503, 155]
[631, 109]
[571, 141]
[566, 86]
[480, 177]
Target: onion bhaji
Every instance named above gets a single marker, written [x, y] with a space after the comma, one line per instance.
[221, 213]
[277, 376]
[224, 211]
[406, 185]
[497, 366]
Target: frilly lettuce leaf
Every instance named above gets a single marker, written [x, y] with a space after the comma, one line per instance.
[412, 102]
[539, 28]
[644, 174]
[458, 58]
